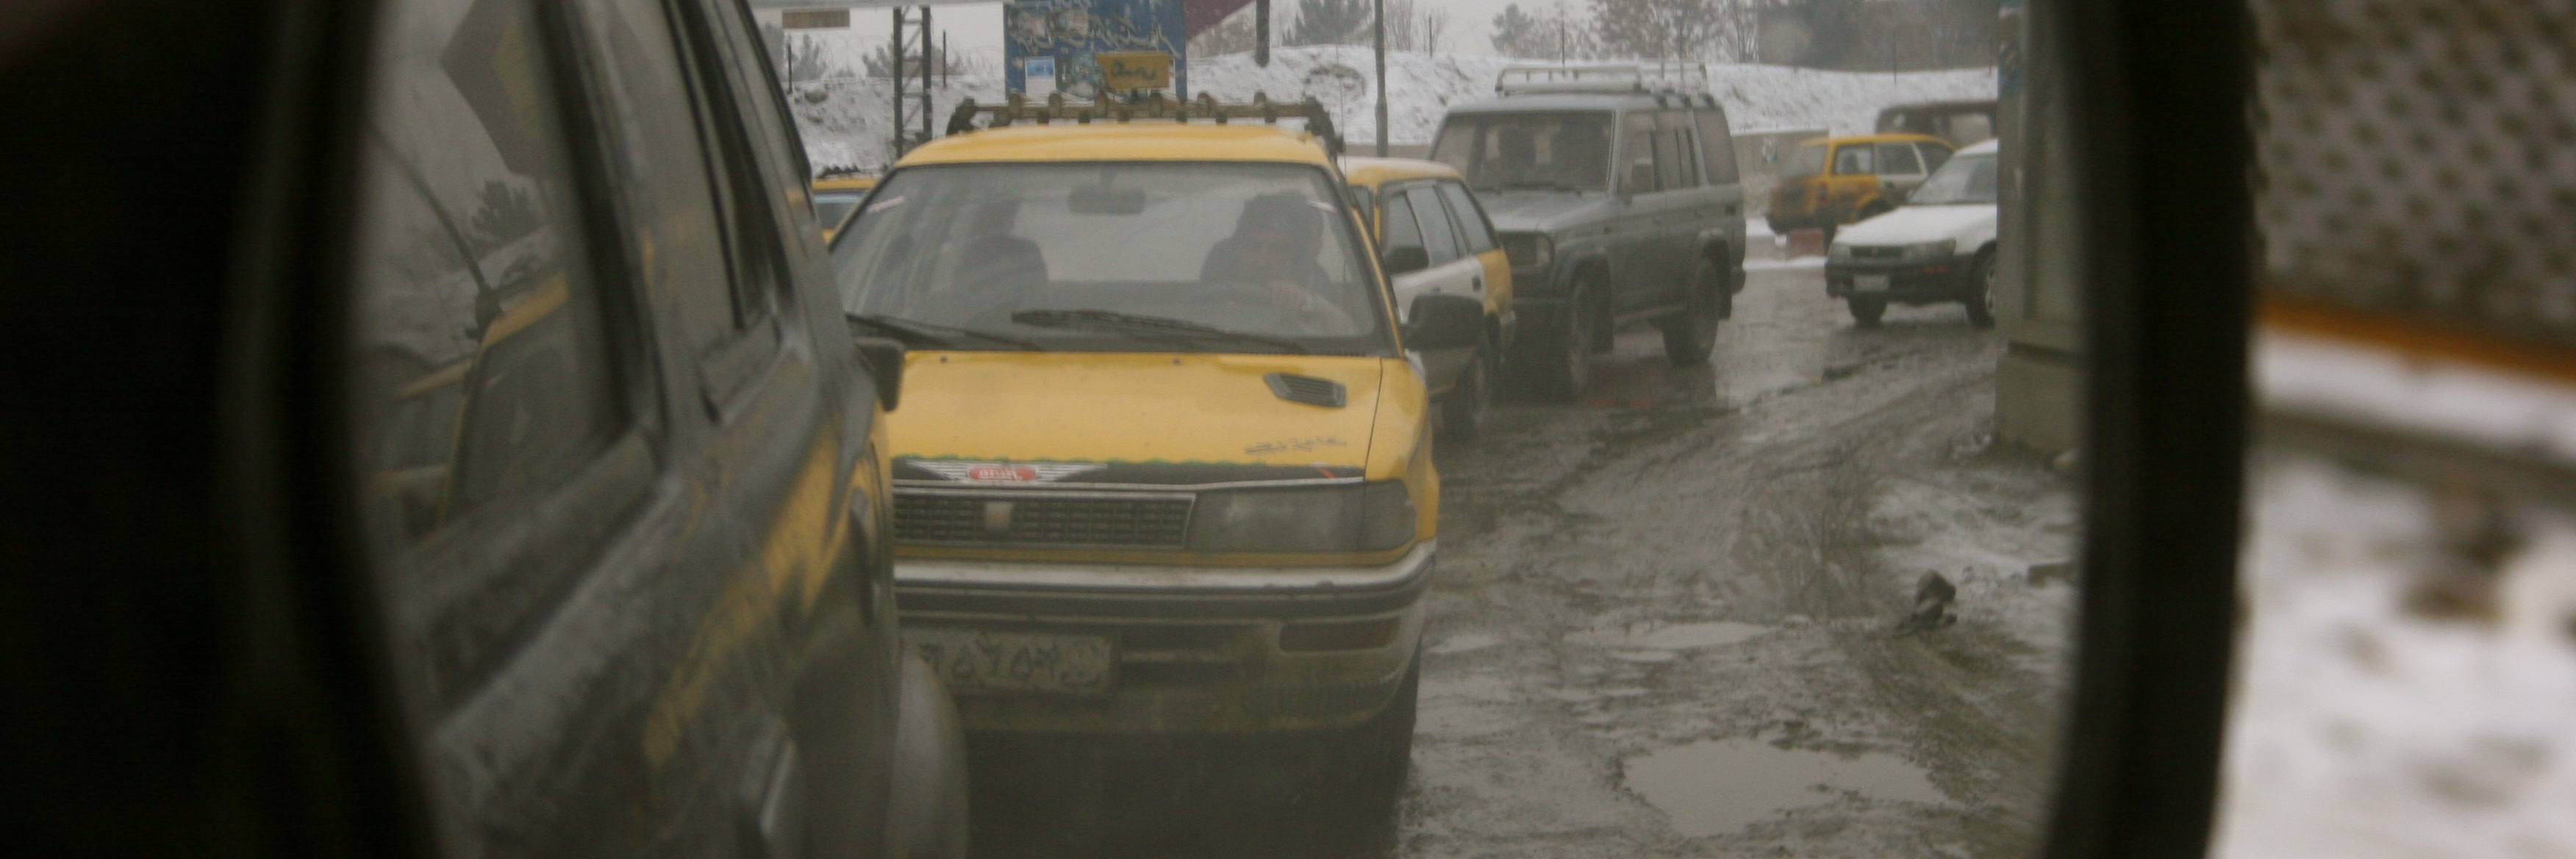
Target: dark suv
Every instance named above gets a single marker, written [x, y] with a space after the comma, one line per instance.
[1614, 190]
[533, 352]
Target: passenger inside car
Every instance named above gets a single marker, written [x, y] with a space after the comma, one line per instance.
[1000, 267]
[1273, 246]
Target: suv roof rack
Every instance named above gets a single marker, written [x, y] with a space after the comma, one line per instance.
[1153, 107]
[1684, 78]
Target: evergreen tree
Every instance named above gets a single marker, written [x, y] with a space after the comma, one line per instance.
[1520, 34]
[1331, 22]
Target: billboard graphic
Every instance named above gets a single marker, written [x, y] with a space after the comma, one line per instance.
[1068, 35]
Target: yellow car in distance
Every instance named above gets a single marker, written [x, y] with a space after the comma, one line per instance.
[1831, 181]
[1162, 466]
[835, 195]
[1436, 240]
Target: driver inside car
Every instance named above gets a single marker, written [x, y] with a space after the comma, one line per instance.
[1274, 246]
[996, 268]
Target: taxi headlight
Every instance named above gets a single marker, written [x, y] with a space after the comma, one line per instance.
[1528, 249]
[1365, 517]
[1942, 249]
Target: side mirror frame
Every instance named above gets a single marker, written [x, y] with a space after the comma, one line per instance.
[884, 361]
[1405, 260]
[1444, 322]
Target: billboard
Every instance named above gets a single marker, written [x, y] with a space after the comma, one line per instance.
[1053, 45]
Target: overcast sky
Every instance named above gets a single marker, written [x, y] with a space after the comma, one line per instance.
[975, 30]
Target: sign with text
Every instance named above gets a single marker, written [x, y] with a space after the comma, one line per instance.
[1073, 35]
[814, 19]
[1128, 71]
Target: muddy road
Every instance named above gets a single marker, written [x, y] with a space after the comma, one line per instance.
[1666, 620]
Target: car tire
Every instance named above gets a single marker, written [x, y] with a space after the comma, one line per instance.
[1689, 336]
[1981, 303]
[1462, 410]
[1866, 311]
[1558, 362]
[1370, 764]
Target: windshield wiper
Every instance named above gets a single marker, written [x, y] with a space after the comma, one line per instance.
[932, 333]
[1134, 323]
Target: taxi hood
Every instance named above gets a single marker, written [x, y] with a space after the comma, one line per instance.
[1141, 412]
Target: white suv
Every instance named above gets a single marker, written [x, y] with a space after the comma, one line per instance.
[1939, 246]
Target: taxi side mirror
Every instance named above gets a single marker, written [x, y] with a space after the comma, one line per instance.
[1445, 322]
[884, 360]
[1405, 260]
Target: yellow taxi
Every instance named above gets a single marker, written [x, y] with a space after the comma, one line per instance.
[1436, 240]
[835, 195]
[1163, 466]
[1831, 181]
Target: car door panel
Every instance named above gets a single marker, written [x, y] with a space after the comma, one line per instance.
[1637, 244]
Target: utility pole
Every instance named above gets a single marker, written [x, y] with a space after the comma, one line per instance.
[1381, 78]
[926, 62]
[894, 70]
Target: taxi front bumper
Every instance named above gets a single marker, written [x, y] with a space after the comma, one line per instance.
[1201, 650]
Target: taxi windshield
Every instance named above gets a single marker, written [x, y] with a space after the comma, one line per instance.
[1114, 257]
[1966, 179]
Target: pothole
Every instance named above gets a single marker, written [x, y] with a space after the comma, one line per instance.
[1714, 787]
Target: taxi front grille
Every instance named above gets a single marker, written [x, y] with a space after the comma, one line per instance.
[1877, 253]
[1101, 520]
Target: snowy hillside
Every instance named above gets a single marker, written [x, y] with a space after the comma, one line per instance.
[846, 121]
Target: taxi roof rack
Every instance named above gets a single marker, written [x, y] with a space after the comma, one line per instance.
[1660, 77]
[1154, 106]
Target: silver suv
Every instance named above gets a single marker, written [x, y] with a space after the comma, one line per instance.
[1614, 190]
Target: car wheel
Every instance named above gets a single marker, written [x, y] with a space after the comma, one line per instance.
[1867, 310]
[1462, 410]
[1558, 362]
[1690, 335]
[1370, 764]
[1981, 277]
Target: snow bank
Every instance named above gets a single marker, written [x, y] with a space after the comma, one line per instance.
[847, 120]
[2360, 730]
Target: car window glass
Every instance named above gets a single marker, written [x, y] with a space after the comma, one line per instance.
[1402, 229]
[1934, 155]
[1528, 150]
[486, 375]
[1717, 146]
[1806, 160]
[1898, 159]
[1637, 172]
[1471, 218]
[831, 206]
[1439, 236]
[1854, 159]
[667, 178]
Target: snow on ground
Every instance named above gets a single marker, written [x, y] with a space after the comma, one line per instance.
[2360, 729]
[847, 120]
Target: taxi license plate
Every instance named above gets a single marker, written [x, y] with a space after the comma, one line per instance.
[1017, 661]
[1869, 283]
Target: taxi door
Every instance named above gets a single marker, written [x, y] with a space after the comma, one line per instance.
[1413, 215]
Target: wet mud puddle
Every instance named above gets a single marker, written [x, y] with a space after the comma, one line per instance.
[1715, 787]
[1650, 642]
